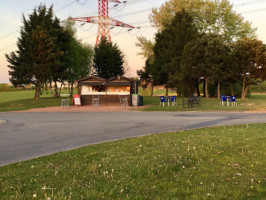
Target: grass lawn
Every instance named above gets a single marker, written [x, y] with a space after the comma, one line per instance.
[210, 163]
[23, 100]
[255, 102]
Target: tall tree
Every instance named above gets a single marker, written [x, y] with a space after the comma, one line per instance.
[216, 17]
[108, 60]
[146, 47]
[146, 76]
[77, 58]
[207, 56]
[249, 62]
[37, 52]
[169, 46]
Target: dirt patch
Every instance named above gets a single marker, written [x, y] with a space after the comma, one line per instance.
[86, 109]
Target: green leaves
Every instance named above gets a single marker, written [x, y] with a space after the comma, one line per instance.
[108, 60]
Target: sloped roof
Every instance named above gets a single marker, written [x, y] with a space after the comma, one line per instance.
[98, 79]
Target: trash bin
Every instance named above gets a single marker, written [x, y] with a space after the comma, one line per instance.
[137, 100]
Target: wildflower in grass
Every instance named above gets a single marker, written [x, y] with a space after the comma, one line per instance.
[34, 196]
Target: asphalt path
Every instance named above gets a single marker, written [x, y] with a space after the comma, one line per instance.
[25, 136]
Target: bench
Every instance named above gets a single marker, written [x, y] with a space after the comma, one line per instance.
[191, 102]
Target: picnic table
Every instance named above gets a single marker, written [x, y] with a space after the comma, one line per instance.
[228, 100]
[191, 102]
[164, 99]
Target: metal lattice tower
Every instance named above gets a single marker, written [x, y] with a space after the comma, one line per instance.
[103, 20]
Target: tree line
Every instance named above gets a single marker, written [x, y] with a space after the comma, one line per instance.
[202, 42]
[50, 53]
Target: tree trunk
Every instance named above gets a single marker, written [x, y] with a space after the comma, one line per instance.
[231, 88]
[204, 91]
[246, 91]
[71, 89]
[37, 91]
[51, 88]
[166, 93]
[197, 85]
[60, 89]
[152, 87]
[219, 90]
[244, 88]
[55, 89]
[206, 87]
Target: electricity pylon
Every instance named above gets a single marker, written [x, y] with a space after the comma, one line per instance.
[103, 20]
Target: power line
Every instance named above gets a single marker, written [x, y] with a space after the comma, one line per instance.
[65, 6]
[7, 35]
[249, 3]
[133, 13]
[85, 1]
[7, 47]
[252, 11]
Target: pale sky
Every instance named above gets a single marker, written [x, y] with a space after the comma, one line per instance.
[134, 12]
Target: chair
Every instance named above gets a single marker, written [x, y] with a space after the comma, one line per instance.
[65, 100]
[223, 99]
[173, 100]
[95, 101]
[163, 100]
[123, 101]
[232, 100]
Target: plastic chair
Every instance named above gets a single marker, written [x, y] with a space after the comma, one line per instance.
[232, 100]
[223, 99]
[163, 100]
[123, 101]
[95, 101]
[173, 100]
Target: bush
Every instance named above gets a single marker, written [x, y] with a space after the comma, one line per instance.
[259, 88]
[4, 87]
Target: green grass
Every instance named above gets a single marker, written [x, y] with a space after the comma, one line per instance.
[23, 100]
[255, 102]
[209, 163]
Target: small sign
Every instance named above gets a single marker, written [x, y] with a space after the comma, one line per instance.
[77, 101]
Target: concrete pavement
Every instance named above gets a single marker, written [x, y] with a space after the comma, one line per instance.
[28, 135]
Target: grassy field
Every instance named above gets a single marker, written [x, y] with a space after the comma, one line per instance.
[255, 102]
[210, 163]
[23, 100]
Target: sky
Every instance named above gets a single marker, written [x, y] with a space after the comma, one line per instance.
[133, 12]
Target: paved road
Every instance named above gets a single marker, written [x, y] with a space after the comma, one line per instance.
[27, 135]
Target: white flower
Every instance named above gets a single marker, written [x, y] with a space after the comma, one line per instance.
[34, 196]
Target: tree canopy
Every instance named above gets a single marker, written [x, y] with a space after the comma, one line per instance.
[37, 52]
[47, 52]
[108, 60]
[216, 17]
